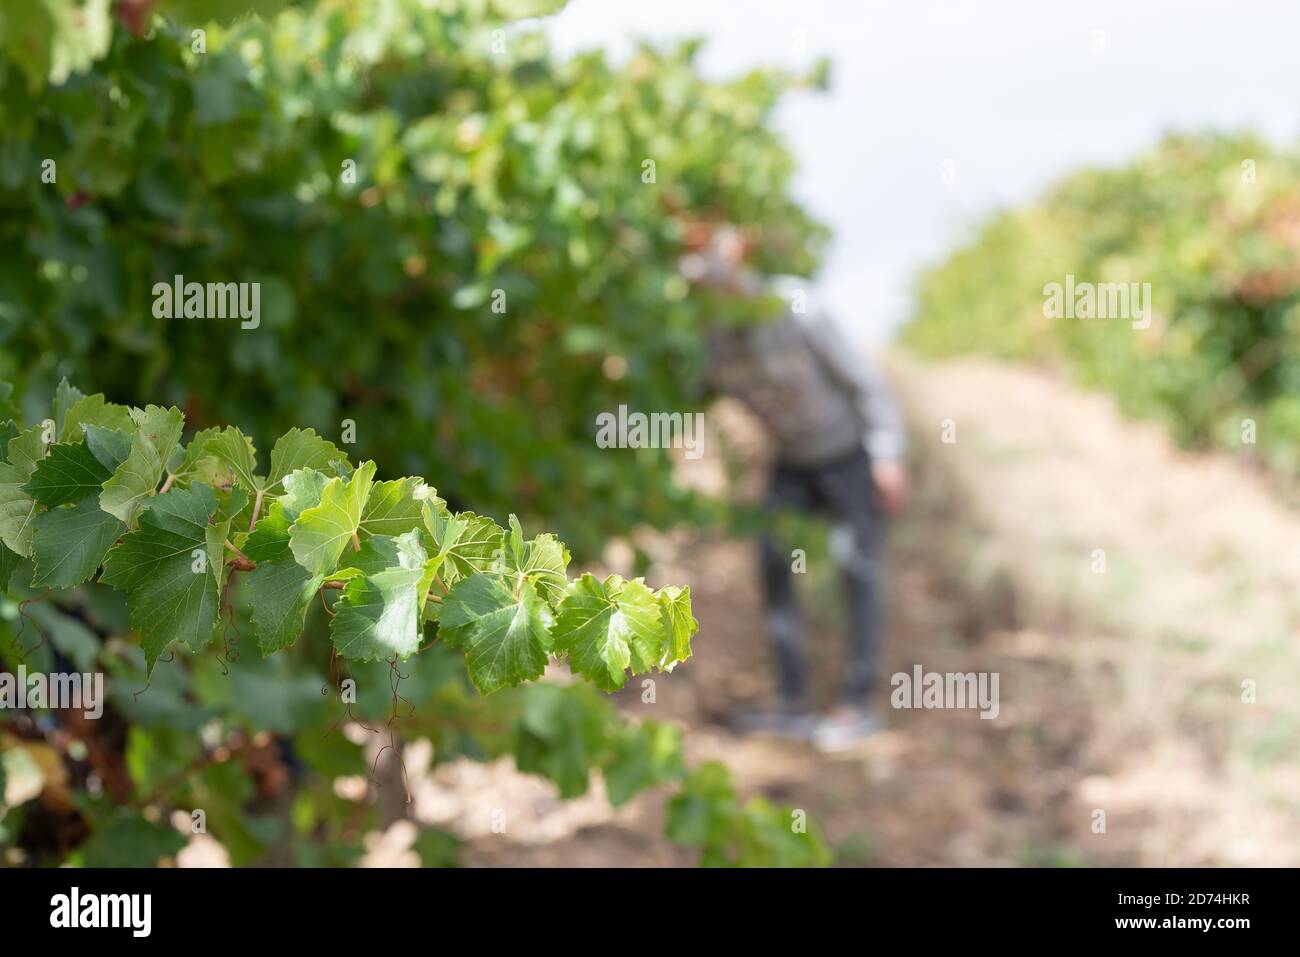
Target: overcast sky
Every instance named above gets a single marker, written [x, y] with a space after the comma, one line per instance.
[1012, 93]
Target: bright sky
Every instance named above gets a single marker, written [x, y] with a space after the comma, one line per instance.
[1011, 93]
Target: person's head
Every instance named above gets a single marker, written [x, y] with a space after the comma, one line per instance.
[715, 259]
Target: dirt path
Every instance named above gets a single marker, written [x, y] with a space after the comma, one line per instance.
[1121, 690]
[1185, 645]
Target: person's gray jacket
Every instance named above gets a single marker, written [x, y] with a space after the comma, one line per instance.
[818, 397]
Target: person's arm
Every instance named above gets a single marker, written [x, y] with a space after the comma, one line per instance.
[884, 437]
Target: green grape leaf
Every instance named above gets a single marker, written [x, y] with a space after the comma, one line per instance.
[302, 490]
[9, 560]
[282, 589]
[158, 430]
[17, 508]
[170, 569]
[70, 542]
[235, 451]
[65, 397]
[194, 461]
[606, 627]
[281, 593]
[320, 533]
[515, 550]
[26, 449]
[679, 624]
[68, 473]
[503, 627]
[379, 613]
[544, 561]
[301, 449]
[110, 447]
[469, 543]
[394, 508]
[270, 539]
[93, 410]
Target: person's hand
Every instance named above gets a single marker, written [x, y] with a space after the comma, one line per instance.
[891, 484]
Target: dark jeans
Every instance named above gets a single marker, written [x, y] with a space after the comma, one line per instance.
[844, 492]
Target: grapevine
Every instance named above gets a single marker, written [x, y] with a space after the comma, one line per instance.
[99, 484]
[460, 263]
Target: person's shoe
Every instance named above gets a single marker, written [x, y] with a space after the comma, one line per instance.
[793, 723]
[845, 729]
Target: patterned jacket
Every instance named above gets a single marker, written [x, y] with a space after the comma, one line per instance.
[818, 397]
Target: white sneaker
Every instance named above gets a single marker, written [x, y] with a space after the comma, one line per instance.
[845, 731]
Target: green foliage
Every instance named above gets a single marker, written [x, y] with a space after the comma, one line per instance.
[51, 39]
[124, 839]
[17, 507]
[169, 567]
[379, 545]
[705, 813]
[606, 627]
[495, 275]
[1210, 222]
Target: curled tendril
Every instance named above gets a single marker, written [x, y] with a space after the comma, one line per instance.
[395, 678]
[229, 652]
[16, 645]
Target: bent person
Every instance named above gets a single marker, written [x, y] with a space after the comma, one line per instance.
[840, 442]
